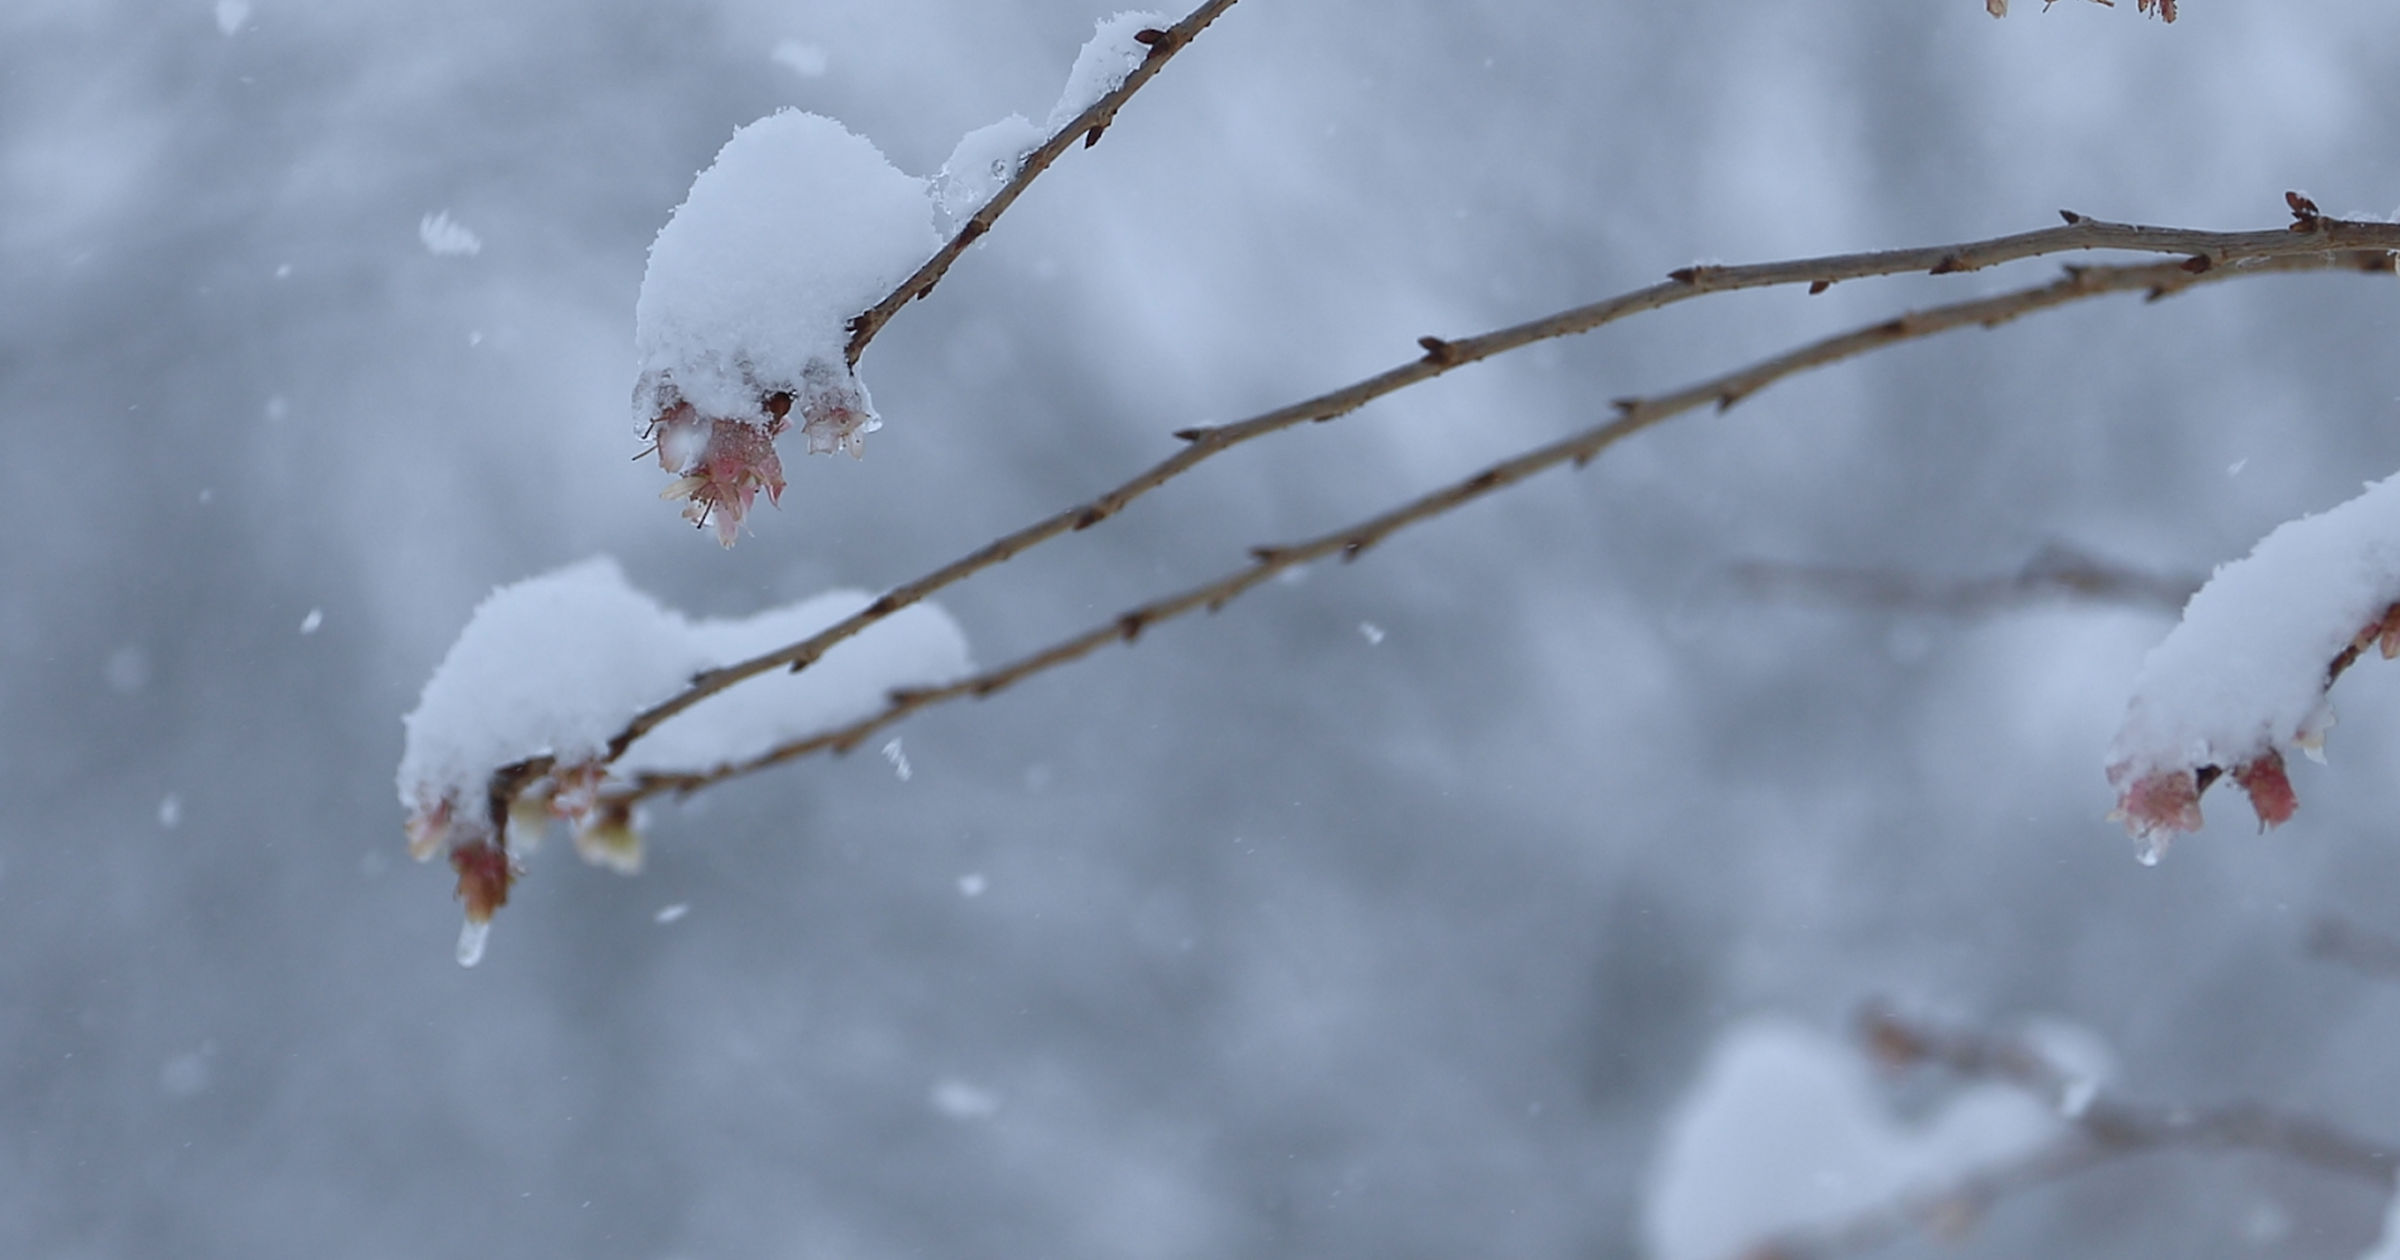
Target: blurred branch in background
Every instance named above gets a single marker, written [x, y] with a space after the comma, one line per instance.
[2354, 945]
[2055, 573]
[2104, 1128]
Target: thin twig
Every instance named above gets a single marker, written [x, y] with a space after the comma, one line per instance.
[1085, 126]
[1634, 415]
[2312, 243]
[2054, 572]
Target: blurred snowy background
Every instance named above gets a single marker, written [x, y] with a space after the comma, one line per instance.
[1390, 912]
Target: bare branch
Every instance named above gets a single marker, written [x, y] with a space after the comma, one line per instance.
[2054, 572]
[1085, 127]
[2313, 243]
[1634, 415]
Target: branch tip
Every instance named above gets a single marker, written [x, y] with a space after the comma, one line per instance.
[1191, 435]
[2071, 217]
[1685, 275]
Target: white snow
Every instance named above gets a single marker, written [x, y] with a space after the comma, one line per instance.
[2244, 673]
[314, 621]
[231, 16]
[557, 664]
[961, 1101]
[803, 59]
[985, 160]
[797, 227]
[1785, 1131]
[553, 664]
[1106, 58]
[919, 646]
[446, 237]
[2387, 1246]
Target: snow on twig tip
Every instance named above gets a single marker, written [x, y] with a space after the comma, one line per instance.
[515, 726]
[2244, 676]
[797, 227]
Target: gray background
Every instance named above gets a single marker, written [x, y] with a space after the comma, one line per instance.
[1293, 944]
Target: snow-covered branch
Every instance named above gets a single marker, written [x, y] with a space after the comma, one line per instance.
[2244, 677]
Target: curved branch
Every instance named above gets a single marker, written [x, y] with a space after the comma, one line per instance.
[2312, 243]
[1088, 125]
[1634, 415]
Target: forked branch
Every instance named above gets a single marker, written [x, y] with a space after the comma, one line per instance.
[1633, 415]
[2313, 242]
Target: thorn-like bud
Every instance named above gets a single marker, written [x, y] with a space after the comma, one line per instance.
[2071, 217]
[1816, 287]
[1437, 351]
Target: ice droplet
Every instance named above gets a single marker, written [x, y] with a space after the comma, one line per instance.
[2148, 849]
[471, 936]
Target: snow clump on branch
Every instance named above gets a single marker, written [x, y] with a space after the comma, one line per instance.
[2243, 677]
[799, 227]
[514, 728]
[743, 316]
